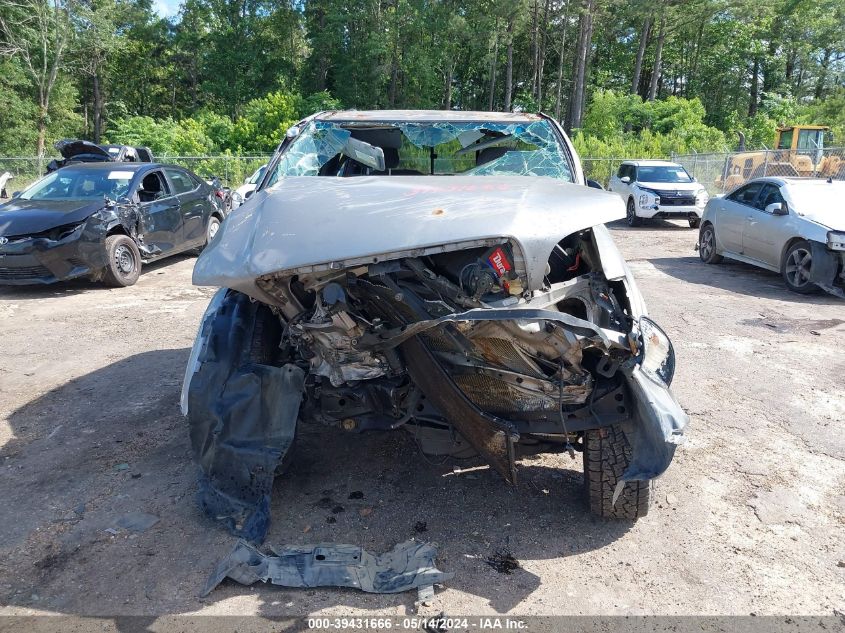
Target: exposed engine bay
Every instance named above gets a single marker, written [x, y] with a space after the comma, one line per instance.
[448, 346]
[349, 328]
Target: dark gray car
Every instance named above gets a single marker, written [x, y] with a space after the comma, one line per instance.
[104, 221]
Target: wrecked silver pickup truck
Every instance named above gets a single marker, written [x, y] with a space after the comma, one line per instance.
[448, 274]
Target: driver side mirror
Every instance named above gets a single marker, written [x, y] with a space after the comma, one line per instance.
[777, 208]
[626, 179]
[595, 184]
[16, 194]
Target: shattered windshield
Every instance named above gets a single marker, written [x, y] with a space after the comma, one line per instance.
[419, 148]
[80, 184]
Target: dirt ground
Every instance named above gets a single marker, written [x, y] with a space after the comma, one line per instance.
[750, 518]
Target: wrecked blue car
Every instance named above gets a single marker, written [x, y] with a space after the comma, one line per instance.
[447, 274]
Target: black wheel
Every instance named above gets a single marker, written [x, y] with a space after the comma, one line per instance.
[606, 456]
[123, 261]
[694, 222]
[796, 268]
[631, 214]
[707, 245]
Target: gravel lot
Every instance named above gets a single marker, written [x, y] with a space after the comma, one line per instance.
[750, 518]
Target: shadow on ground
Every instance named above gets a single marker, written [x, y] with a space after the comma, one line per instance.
[83, 285]
[736, 277]
[112, 443]
[659, 223]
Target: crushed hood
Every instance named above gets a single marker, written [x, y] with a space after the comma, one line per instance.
[28, 217]
[308, 221]
[69, 148]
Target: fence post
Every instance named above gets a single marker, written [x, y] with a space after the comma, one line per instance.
[766, 163]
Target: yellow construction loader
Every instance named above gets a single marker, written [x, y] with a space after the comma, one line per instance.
[799, 152]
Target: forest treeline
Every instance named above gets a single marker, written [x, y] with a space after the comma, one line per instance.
[635, 77]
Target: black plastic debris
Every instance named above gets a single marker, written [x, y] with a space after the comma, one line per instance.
[356, 494]
[502, 561]
[242, 418]
[407, 566]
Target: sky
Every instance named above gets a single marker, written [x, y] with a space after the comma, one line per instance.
[166, 8]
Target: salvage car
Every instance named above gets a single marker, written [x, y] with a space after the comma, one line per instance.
[103, 221]
[794, 226]
[76, 151]
[448, 274]
[657, 189]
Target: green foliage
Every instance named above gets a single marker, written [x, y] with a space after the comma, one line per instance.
[830, 111]
[258, 130]
[621, 125]
[233, 74]
[264, 122]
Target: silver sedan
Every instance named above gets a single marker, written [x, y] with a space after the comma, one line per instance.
[793, 226]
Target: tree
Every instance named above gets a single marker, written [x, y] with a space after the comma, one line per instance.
[38, 33]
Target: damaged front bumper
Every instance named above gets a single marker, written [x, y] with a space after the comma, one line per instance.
[243, 415]
[828, 269]
[410, 565]
[43, 260]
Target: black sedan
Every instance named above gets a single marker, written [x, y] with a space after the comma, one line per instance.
[102, 221]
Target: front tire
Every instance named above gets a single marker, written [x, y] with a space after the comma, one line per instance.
[123, 261]
[631, 214]
[797, 268]
[211, 230]
[707, 245]
[606, 456]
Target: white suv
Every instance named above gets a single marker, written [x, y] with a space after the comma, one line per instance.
[659, 189]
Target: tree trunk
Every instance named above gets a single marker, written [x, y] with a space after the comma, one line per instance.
[509, 67]
[492, 98]
[447, 100]
[534, 20]
[658, 54]
[585, 30]
[558, 99]
[42, 126]
[822, 79]
[541, 57]
[97, 97]
[638, 64]
[754, 97]
[696, 56]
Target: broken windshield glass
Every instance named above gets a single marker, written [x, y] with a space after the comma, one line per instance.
[420, 148]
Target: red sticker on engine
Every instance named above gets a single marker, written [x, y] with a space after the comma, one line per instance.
[499, 261]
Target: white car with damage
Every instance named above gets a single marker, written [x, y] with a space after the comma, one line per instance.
[794, 226]
[448, 274]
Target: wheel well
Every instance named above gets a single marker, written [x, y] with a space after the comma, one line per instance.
[218, 215]
[789, 245]
[118, 229]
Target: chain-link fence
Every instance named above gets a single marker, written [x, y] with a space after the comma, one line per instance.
[723, 172]
[719, 172]
[232, 170]
[600, 169]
